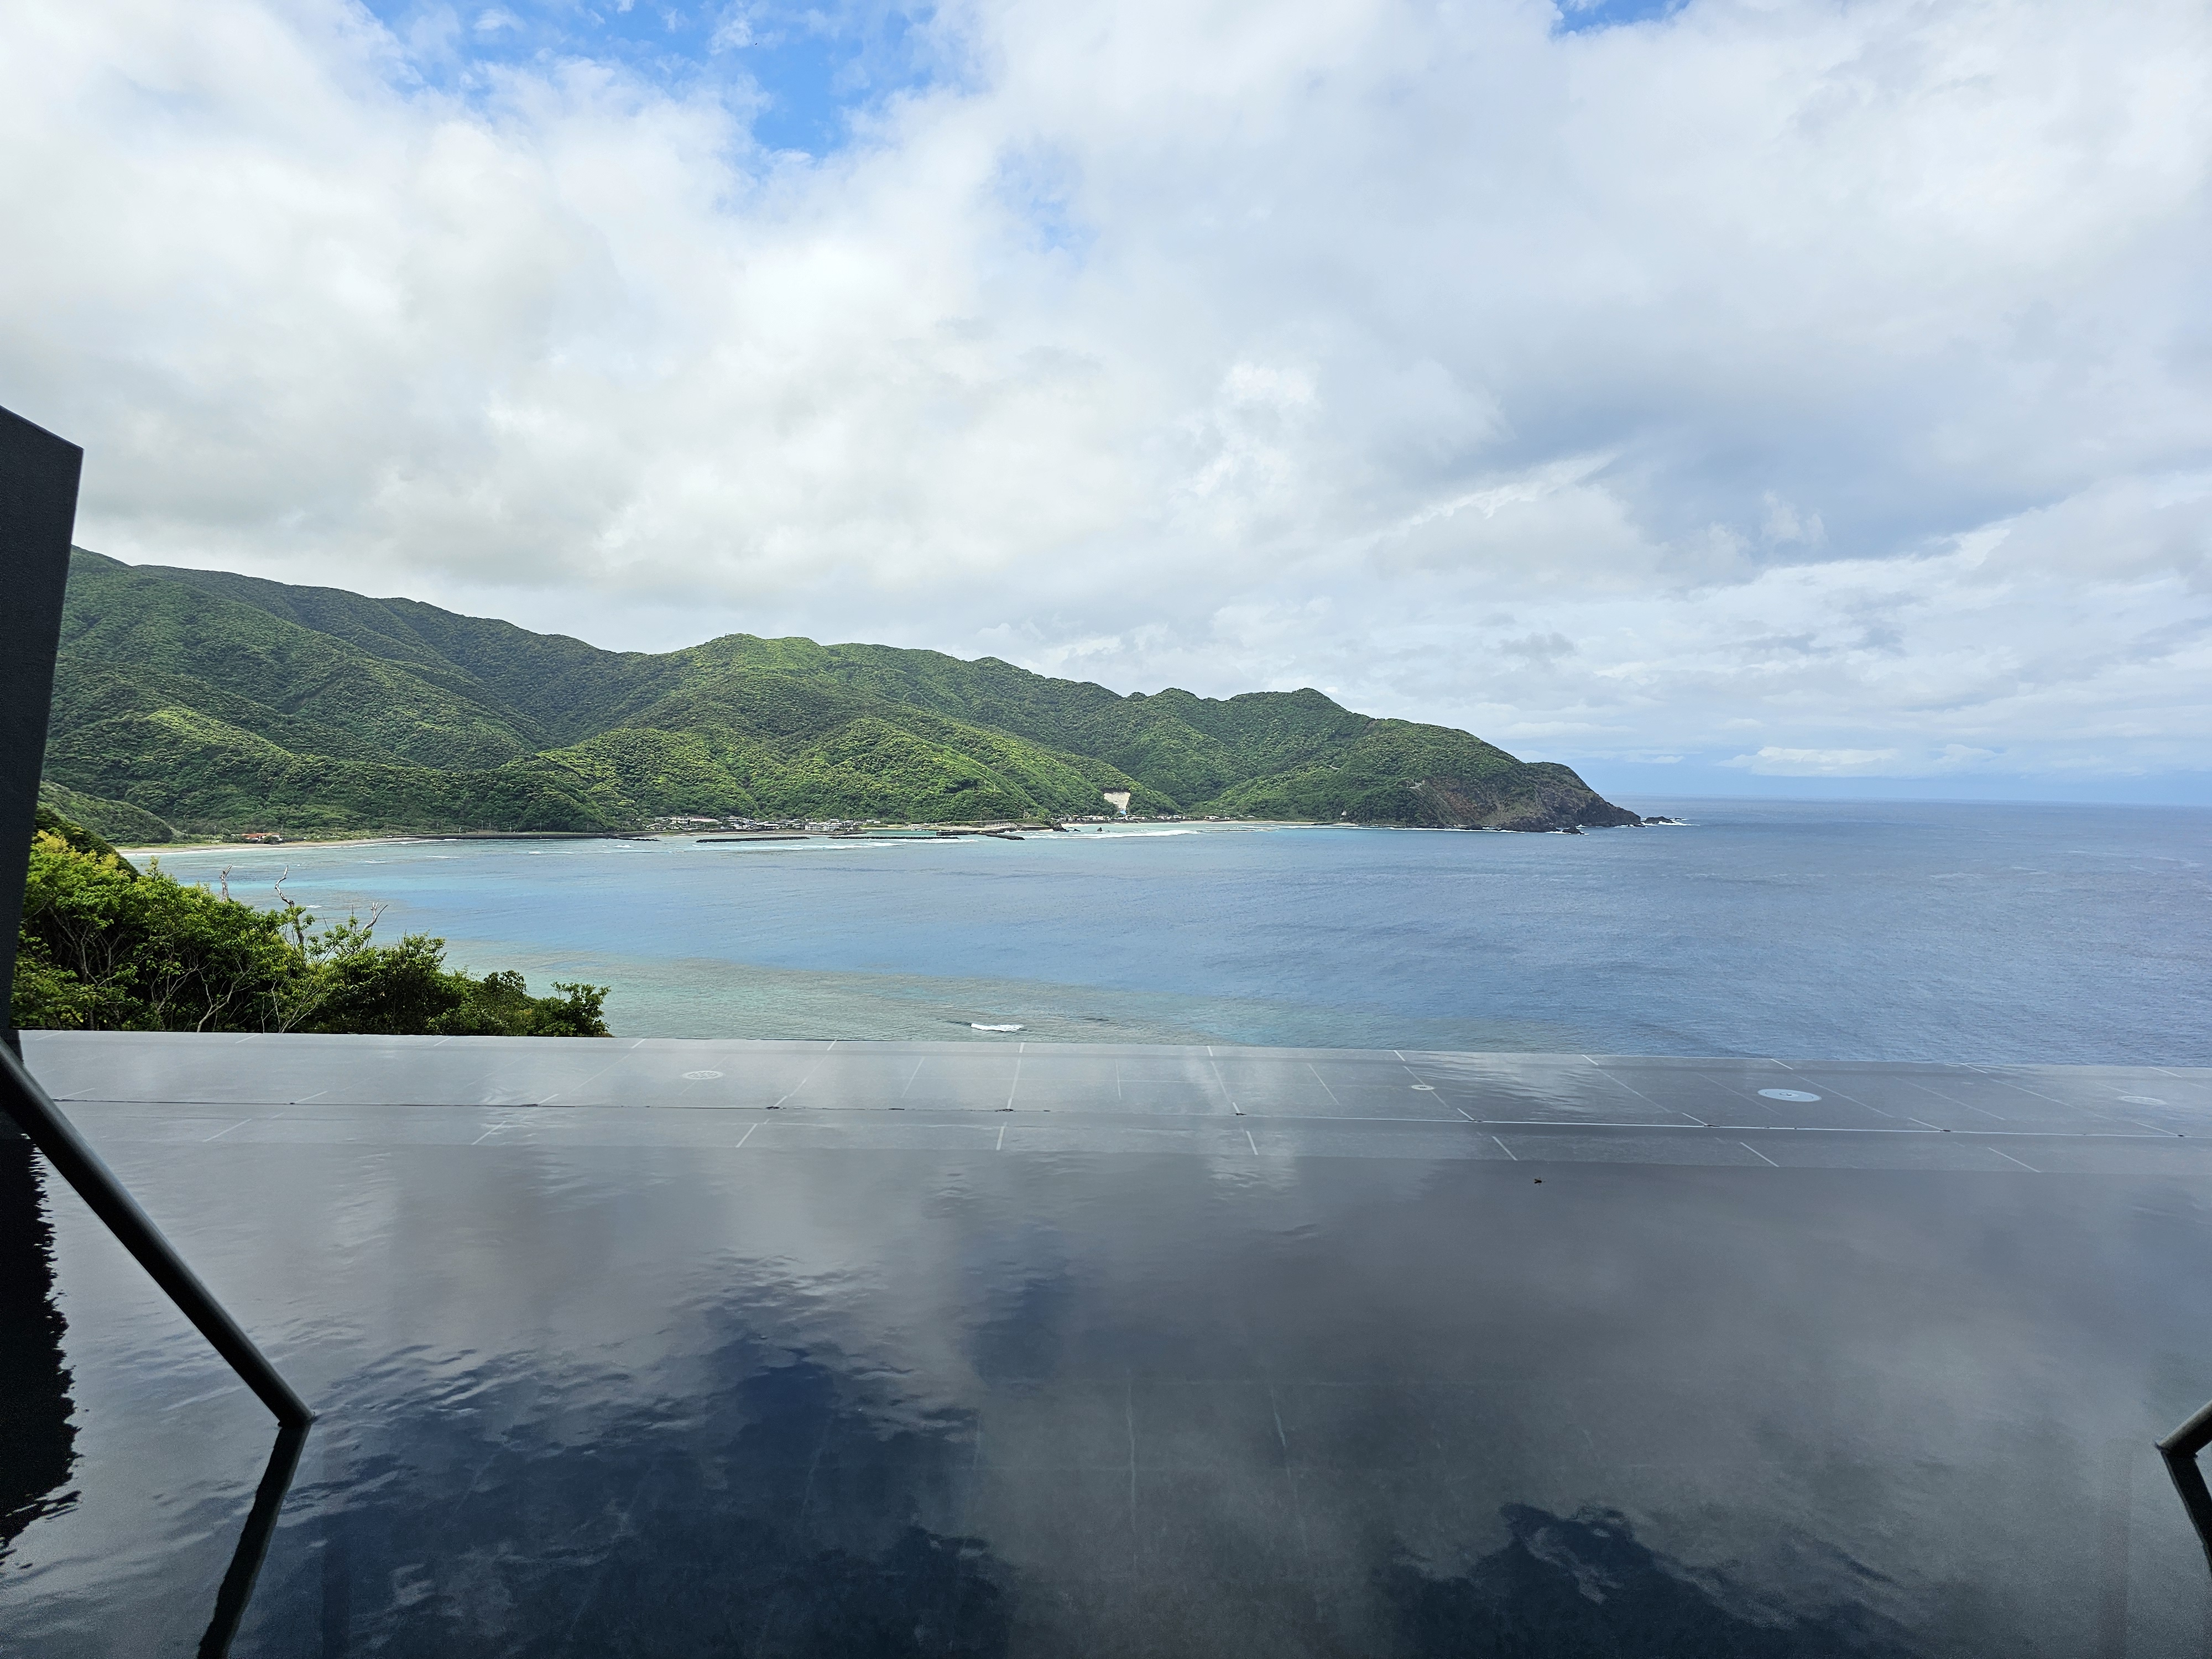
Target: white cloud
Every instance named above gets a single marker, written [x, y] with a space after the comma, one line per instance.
[1821, 763]
[733, 33]
[1951, 758]
[1824, 381]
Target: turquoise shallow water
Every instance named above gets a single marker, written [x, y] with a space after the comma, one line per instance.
[1895, 931]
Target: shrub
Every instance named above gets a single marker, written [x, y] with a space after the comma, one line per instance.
[106, 947]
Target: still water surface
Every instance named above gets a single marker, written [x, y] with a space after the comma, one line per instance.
[1898, 932]
[671, 1383]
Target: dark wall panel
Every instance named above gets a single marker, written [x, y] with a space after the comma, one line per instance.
[38, 510]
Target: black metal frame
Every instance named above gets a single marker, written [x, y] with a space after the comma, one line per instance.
[38, 515]
[39, 475]
[53, 1133]
[2180, 1450]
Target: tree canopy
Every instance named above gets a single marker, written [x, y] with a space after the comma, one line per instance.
[106, 946]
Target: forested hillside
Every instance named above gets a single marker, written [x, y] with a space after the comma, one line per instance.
[202, 703]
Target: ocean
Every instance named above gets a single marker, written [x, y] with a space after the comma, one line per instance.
[1900, 932]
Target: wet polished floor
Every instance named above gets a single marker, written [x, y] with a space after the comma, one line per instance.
[763, 1349]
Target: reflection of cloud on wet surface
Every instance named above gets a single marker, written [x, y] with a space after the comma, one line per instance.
[1582, 1586]
[624, 1395]
[770, 1514]
[791, 1508]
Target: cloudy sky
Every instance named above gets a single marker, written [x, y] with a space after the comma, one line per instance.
[1740, 396]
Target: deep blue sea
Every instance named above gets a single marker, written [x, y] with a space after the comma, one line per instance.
[1795, 929]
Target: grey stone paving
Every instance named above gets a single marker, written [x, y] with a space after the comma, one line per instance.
[1065, 1098]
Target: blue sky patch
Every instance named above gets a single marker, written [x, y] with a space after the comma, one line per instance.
[1038, 187]
[1584, 16]
[802, 71]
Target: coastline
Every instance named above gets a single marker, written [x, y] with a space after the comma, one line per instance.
[892, 832]
[913, 832]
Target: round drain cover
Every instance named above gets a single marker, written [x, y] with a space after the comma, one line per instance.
[700, 1077]
[1785, 1093]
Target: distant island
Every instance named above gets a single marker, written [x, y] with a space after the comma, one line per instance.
[201, 703]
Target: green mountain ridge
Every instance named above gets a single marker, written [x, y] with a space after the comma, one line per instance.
[203, 702]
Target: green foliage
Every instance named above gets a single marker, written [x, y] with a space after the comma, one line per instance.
[78, 838]
[201, 773]
[1398, 772]
[770, 745]
[115, 820]
[104, 947]
[220, 703]
[255, 671]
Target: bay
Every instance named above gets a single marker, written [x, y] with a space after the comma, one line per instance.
[1980, 932]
